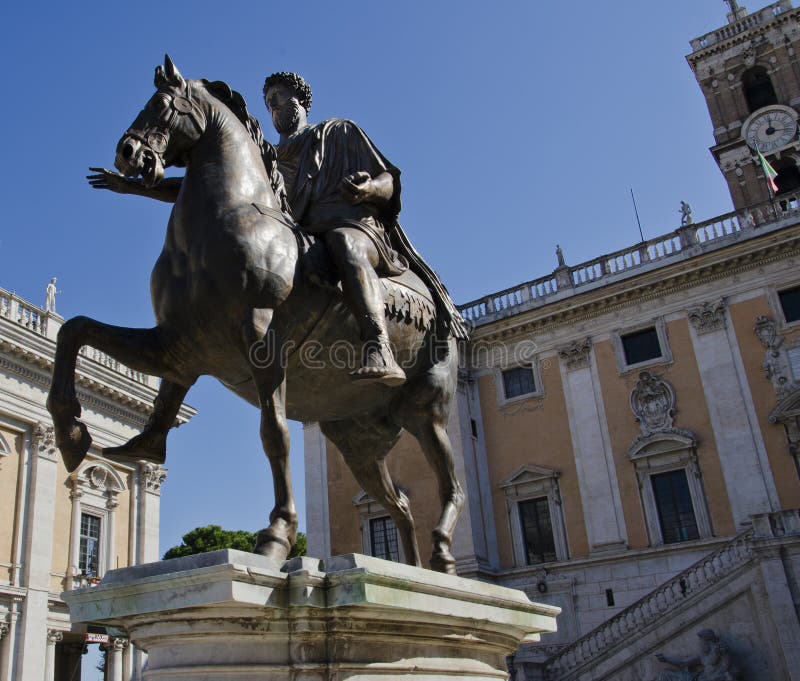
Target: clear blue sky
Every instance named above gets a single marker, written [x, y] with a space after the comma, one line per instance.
[517, 125]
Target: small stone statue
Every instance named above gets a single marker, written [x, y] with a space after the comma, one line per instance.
[713, 663]
[51, 292]
[560, 256]
[686, 214]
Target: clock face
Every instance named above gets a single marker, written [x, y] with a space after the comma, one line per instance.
[771, 130]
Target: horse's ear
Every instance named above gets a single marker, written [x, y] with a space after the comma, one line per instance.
[174, 76]
[160, 78]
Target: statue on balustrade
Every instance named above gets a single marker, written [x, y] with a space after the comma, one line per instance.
[712, 662]
[686, 214]
[276, 260]
[50, 296]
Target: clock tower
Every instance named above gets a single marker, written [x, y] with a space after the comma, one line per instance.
[749, 73]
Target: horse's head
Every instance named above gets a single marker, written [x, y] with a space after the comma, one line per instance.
[168, 125]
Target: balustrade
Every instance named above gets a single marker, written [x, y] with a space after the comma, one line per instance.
[706, 235]
[647, 610]
[34, 318]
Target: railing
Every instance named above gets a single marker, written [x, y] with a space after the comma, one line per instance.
[649, 609]
[628, 260]
[14, 308]
[109, 362]
[745, 23]
[35, 319]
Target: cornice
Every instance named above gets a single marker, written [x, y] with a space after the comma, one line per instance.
[126, 398]
[137, 414]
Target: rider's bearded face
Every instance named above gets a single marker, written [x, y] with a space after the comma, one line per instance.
[284, 108]
[286, 117]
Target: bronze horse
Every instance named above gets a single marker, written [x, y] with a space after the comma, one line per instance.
[233, 299]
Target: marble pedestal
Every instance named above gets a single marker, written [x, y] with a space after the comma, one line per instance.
[235, 616]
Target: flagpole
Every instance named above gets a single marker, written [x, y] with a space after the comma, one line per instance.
[761, 160]
[638, 222]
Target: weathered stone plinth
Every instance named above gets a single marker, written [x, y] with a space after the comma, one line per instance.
[235, 616]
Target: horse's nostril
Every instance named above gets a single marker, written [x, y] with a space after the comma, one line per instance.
[127, 151]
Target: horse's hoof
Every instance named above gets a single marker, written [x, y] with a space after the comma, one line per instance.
[73, 445]
[144, 446]
[444, 563]
[271, 546]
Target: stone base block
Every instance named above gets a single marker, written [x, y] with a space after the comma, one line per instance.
[235, 616]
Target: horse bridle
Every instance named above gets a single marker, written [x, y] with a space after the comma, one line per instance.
[156, 137]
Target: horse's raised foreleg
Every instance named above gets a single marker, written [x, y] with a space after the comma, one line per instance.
[364, 447]
[151, 443]
[140, 349]
[276, 540]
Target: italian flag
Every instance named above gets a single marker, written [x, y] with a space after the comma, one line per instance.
[769, 172]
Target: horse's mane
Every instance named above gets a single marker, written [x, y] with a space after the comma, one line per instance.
[235, 102]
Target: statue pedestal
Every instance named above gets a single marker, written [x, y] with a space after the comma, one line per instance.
[231, 615]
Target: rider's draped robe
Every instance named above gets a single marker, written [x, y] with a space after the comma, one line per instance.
[313, 163]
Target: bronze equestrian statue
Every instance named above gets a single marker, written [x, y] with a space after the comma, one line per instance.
[241, 293]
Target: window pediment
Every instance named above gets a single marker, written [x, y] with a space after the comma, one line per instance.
[665, 442]
[529, 473]
[98, 477]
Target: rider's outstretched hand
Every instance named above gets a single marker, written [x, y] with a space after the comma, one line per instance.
[115, 182]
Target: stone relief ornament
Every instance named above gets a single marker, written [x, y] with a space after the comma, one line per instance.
[576, 354]
[45, 441]
[712, 661]
[153, 476]
[777, 363]
[707, 317]
[653, 403]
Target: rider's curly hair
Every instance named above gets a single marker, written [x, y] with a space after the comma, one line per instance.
[296, 82]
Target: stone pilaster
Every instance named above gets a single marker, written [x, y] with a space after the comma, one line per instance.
[39, 517]
[318, 523]
[742, 454]
[151, 477]
[597, 478]
[116, 650]
[53, 637]
[7, 641]
[474, 539]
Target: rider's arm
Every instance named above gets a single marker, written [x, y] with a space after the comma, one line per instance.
[167, 190]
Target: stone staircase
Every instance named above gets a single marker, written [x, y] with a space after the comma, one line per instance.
[623, 646]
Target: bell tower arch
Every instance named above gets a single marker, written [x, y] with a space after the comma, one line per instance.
[749, 73]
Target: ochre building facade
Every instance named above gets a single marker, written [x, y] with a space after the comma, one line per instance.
[627, 429]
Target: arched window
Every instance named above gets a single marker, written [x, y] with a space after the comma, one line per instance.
[758, 89]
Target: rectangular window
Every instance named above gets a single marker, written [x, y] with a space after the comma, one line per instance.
[518, 381]
[790, 303]
[537, 531]
[641, 346]
[383, 538]
[89, 552]
[674, 504]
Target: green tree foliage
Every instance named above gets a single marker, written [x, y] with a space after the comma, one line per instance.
[213, 538]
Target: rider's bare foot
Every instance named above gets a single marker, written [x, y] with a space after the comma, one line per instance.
[147, 446]
[379, 366]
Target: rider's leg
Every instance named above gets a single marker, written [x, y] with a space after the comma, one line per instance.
[151, 443]
[356, 257]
